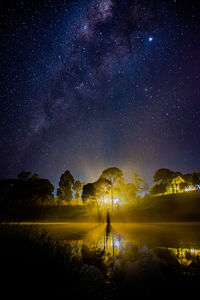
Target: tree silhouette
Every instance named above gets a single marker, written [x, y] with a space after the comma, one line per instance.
[35, 176]
[89, 193]
[20, 197]
[102, 188]
[24, 175]
[64, 191]
[77, 187]
[195, 179]
[160, 188]
[164, 175]
[114, 175]
[140, 184]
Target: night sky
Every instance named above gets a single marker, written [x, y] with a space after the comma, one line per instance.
[87, 85]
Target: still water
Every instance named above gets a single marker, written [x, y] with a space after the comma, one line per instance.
[120, 240]
[143, 259]
[140, 259]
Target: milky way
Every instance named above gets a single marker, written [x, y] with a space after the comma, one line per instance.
[91, 84]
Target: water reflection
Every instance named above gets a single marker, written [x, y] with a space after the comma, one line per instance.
[185, 256]
[122, 254]
[143, 259]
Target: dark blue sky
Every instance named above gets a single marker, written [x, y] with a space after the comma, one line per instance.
[86, 85]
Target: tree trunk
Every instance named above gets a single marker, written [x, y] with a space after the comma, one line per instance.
[98, 210]
[112, 196]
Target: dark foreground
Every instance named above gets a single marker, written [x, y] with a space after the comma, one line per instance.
[33, 264]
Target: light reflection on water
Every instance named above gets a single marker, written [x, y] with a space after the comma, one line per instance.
[140, 259]
[134, 259]
[122, 245]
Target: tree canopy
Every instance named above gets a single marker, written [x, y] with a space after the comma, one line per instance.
[139, 183]
[24, 193]
[114, 176]
[64, 192]
[163, 175]
[77, 187]
[158, 188]
[89, 192]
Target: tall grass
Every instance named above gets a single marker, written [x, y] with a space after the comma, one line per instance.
[35, 265]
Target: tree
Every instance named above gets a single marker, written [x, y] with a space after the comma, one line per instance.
[160, 188]
[139, 183]
[60, 194]
[94, 192]
[167, 177]
[114, 175]
[24, 196]
[77, 187]
[33, 189]
[24, 175]
[35, 176]
[41, 189]
[77, 197]
[128, 191]
[64, 191]
[89, 193]
[195, 179]
[102, 187]
[89, 196]
[164, 175]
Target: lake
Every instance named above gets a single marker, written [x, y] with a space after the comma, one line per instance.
[181, 239]
[147, 258]
[172, 235]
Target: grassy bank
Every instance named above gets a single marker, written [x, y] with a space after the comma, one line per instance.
[66, 213]
[180, 207]
[34, 265]
[51, 213]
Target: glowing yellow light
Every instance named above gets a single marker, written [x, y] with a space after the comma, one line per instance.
[116, 200]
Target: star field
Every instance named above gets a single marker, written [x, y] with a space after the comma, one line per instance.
[86, 85]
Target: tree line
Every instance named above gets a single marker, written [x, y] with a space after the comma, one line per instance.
[28, 193]
[109, 186]
[167, 180]
[24, 195]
